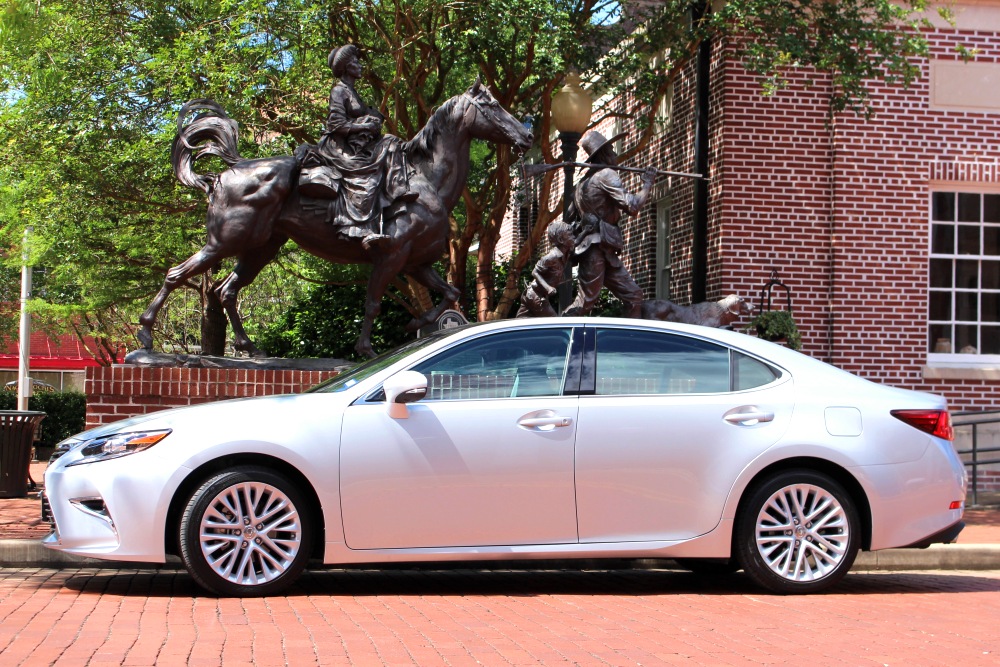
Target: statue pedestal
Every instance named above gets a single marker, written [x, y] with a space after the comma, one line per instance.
[126, 390]
[147, 359]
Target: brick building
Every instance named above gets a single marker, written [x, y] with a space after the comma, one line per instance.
[886, 230]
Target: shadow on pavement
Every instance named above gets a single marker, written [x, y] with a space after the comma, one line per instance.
[515, 583]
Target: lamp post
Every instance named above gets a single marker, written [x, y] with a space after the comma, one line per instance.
[24, 388]
[571, 108]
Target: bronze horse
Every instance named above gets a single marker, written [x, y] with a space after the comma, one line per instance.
[254, 207]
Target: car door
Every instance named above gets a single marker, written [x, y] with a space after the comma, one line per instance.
[486, 458]
[670, 422]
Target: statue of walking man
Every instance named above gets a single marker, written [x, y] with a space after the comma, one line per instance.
[598, 203]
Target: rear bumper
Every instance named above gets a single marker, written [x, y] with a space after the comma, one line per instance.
[945, 536]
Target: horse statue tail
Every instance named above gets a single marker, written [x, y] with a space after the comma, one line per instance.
[212, 132]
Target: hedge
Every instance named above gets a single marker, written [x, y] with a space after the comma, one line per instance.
[66, 413]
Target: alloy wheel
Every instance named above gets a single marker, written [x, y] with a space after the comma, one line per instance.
[250, 533]
[803, 533]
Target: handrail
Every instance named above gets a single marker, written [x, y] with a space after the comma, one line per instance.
[992, 417]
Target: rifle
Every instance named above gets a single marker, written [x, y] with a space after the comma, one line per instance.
[532, 170]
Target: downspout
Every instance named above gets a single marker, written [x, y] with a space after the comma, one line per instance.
[831, 312]
[699, 238]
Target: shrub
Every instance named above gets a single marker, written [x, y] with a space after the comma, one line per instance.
[66, 413]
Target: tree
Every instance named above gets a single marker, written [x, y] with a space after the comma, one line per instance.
[91, 93]
[91, 89]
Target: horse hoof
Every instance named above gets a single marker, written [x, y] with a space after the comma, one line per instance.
[145, 339]
[365, 351]
[250, 349]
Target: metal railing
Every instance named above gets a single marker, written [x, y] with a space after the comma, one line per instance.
[979, 456]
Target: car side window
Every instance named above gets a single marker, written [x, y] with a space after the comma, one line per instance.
[750, 373]
[650, 362]
[511, 364]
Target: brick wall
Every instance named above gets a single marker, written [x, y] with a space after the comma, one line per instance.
[840, 207]
[119, 392]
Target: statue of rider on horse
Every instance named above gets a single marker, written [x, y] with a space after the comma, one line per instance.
[360, 175]
[358, 197]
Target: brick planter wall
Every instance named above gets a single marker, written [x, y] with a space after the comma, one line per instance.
[119, 392]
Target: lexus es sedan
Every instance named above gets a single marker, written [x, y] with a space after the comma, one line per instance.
[555, 438]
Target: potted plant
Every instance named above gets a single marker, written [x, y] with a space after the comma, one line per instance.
[777, 325]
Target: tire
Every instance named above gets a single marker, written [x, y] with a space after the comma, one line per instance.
[245, 532]
[709, 567]
[798, 533]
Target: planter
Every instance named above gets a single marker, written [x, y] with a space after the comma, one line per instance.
[777, 326]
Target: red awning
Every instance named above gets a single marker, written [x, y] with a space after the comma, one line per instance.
[64, 352]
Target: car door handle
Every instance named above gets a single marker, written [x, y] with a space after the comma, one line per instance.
[545, 420]
[748, 416]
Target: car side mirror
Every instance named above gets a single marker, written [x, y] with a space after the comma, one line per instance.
[403, 388]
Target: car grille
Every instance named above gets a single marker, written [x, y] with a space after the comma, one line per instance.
[47, 511]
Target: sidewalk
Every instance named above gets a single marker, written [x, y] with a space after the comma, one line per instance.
[978, 547]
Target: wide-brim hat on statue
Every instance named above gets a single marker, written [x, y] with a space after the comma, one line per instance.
[594, 141]
[339, 57]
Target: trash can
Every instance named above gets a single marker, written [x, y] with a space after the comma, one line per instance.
[17, 432]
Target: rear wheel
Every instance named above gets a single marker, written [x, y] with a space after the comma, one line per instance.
[245, 532]
[798, 533]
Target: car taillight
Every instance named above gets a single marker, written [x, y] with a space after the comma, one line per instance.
[935, 422]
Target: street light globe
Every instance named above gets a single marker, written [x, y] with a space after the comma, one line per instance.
[571, 106]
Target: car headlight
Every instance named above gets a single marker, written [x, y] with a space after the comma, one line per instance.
[118, 444]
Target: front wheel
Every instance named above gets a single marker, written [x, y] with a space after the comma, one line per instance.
[798, 533]
[245, 532]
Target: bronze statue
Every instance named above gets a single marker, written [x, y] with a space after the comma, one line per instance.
[548, 273]
[598, 203]
[363, 172]
[255, 206]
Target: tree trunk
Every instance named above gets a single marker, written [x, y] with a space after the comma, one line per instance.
[213, 321]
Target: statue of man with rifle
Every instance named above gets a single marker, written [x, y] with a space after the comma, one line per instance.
[598, 203]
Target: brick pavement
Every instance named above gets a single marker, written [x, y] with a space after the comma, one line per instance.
[135, 617]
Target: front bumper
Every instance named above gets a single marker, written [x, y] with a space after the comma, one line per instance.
[113, 510]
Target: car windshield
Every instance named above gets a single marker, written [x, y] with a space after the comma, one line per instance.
[351, 377]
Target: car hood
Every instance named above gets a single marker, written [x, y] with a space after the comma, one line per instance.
[215, 411]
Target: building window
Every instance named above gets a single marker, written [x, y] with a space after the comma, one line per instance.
[964, 281]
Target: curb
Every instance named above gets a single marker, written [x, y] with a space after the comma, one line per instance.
[934, 557]
[31, 553]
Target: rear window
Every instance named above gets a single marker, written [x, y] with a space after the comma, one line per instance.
[653, 362]
[650, 362]
[750, 373]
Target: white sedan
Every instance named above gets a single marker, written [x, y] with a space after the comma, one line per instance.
[553, 438]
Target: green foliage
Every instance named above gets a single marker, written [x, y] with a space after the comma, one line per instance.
[66, 413]
[855, 42]
[775, 325]
[325, 321]
[89, 96]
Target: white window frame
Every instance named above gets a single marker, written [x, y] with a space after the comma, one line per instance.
[956, 359]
